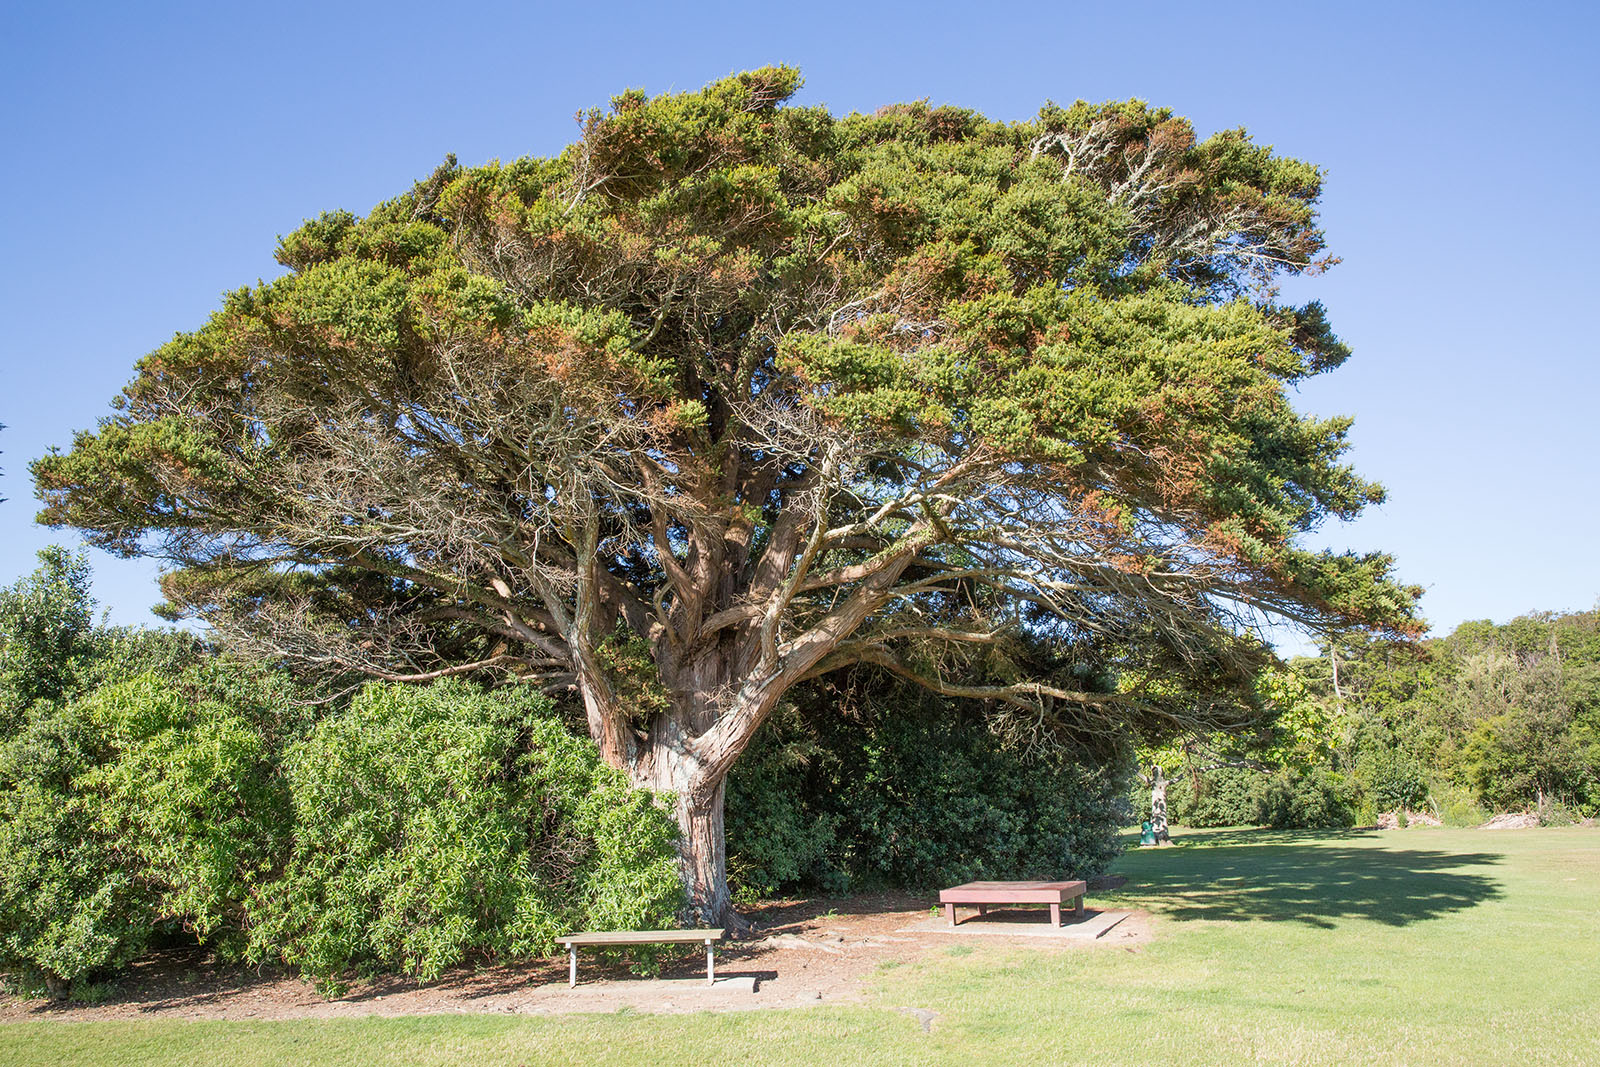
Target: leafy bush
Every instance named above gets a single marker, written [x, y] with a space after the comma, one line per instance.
[149, 788]
[150, 803]
[918, 796]
[779, 836]
[1306, 800]
[1229, 796]
[190, 788]
[46, 630]
[436, 822]
[940, 802]
[71, 907]
[1457, 806]
[1391, 780]
[74, 903]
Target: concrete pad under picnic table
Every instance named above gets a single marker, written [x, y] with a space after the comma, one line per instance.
[1024, 922]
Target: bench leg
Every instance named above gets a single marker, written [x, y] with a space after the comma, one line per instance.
[1055, 914]
[1078, 906]
[983, 909]
[711, 963]
[572, 966]
[950, 913]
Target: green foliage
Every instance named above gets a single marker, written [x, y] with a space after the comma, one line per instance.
[149, 804]
[412, 829]
[190, 789]
[46, 626]
[1458, 806]
[149, 790]
[1500, 718]
[937, 804]
[1306, 800]
[779, 836]
[1486, 719]
[1391, 780]
[913, 793]
[71, 907]
[625, 658]
[1221, 778]
[439, 822]
[1227, 796]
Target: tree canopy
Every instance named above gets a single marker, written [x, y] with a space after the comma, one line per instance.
[732, 393]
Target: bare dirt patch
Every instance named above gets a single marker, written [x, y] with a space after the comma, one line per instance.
[805, 952]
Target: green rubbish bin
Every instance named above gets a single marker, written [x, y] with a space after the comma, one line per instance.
[1147, 834]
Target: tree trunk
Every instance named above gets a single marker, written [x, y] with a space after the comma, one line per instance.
[1158, 806]
[668, 763]
[702, 843]
[703, 858]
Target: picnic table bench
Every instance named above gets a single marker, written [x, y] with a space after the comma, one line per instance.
[983, 894]
[614, 938]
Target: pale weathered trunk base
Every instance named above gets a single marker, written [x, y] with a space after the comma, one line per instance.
[1158, 807]
[703, 854]
[703, 859]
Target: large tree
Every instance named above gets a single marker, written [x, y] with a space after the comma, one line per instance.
[730, 394]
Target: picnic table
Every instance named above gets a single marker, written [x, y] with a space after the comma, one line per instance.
[616, 938]
[984, 894]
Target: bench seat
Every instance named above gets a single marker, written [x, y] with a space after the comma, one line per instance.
[614, 938]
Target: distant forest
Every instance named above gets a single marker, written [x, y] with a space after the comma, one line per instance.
[1489, 719]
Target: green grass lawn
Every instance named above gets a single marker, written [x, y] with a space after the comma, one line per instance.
[1417, 946]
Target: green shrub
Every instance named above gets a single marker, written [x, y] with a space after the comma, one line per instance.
[75, 900]
[441, 821]
[151, 803]
[1456, 805]
[147, 788]
[939, 802]
[46, 634]
[914, 795]
[1391, 780]
[1317, 799]
[191, 789]
[71, 907]
[778, 836]
[1229, 796]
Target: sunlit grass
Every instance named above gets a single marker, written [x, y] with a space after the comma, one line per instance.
[1417, 946]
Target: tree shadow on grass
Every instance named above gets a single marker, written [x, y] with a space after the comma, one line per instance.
[1258, 835]
[1312, 881]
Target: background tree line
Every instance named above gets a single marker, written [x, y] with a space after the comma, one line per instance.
[1488, 719]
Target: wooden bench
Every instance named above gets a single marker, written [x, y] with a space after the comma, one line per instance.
[983, 894]
[615, 938]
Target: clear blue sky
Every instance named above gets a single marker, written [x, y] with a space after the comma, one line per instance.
[154, 151]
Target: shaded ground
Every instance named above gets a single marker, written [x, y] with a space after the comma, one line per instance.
[1320, 877]
[807, 952]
